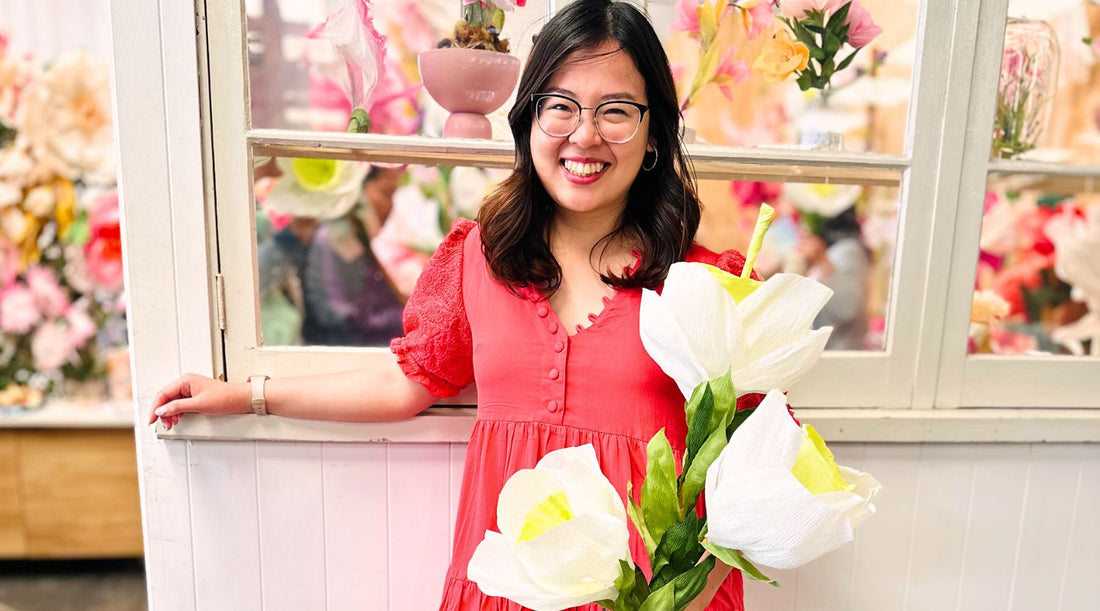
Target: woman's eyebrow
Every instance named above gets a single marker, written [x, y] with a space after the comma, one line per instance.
[618, 95]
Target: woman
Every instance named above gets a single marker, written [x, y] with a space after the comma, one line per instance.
[539, 301]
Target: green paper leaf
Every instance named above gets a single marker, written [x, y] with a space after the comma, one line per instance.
[805, 80]
[840, 17]
[803, 35]
[699, 411]
[678, 594]
[847, 60]
[738, 561]
[632, 589]
[635, 514]
[696, 477]
[678, 551]
[359, 123]
[660, 501]
[831, 44]
[738, 417]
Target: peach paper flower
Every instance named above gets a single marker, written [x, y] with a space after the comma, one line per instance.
[781, 57]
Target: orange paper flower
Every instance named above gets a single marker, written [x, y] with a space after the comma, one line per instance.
[782, 56]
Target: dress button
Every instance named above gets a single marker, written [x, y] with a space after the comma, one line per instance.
[559, 346]
[542, 311]
[552, 406]
[553, 326]
[554, 374]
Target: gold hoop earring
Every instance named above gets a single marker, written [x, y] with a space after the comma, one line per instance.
[652, 165]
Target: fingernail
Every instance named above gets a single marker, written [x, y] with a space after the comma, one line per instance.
[160, 411]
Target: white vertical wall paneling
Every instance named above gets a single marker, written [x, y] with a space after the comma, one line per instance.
[419, 483]
[996, 506]
[356, 526]
[944, 479]
[290, 495]
[458, 462]
[1044, 532]
[47, 28]
[761, 596]
[881, 548]
[1080, 588]
[224, 525]
[824, 584]
[152, 306]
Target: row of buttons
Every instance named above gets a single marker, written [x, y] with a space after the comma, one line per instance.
[559, 346]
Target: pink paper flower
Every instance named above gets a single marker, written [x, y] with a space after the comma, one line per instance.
[81, 328]
[730, 73]
[362, 49]
[759, 15]
[103, 252]
[51, 299]
[687, 17]
[751, 193]
[50, 347]
[797, 9]
[861, 28]
[18, 311]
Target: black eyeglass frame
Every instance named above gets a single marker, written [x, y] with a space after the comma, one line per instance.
[535, 97]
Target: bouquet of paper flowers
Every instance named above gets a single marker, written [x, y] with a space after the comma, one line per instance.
[60, 243]
[773, 493]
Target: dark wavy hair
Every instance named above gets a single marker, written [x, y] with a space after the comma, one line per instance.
[662, 210]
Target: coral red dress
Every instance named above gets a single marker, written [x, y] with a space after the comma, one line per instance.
[539, 389]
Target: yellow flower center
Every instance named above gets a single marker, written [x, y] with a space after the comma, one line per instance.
[816, 468]
[317, 174]
[548, 513]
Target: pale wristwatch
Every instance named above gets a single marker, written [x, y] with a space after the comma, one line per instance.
[259, 403]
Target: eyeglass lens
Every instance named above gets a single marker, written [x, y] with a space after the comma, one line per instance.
[560, 116]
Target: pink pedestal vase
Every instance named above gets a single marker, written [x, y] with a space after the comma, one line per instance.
[470, 83]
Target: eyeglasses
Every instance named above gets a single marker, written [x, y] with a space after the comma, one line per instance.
[559, 116]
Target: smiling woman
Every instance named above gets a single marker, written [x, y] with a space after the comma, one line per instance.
[533, 298]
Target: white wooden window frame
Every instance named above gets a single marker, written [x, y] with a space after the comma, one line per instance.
[896, 394]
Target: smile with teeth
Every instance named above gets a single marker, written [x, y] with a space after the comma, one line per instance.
[583, 169]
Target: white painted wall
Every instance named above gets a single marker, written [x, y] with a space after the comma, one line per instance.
[264, 525]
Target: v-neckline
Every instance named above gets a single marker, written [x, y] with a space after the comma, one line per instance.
[594, 318]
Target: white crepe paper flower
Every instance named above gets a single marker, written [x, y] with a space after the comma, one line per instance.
[316, 188]
[696, 330]
[562, 535]
[1076, 243]
[776, 494]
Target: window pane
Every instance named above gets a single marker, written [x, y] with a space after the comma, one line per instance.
[1038, 284]
[341, 244]
[1048, 100]
[841, 235]
[298, 80]
[868, 101]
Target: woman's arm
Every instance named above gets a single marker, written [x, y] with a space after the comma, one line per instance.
[365, 395]
[717, 575]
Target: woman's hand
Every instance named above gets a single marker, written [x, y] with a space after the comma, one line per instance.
[717, 575]
[199, 394]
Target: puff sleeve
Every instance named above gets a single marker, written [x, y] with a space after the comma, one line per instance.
[437, 350]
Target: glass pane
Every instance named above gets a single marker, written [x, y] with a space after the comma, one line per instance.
[841, 235]
[865, 105]
[297, 80]
[341, 244]
[1038, 284]
[1048, 100]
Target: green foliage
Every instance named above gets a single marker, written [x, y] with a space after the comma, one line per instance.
[660, 501]
[738, 561]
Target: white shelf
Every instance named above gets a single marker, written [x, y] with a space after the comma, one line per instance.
[711, 162]
[65, 414]
[453, 425]
[1064, 178]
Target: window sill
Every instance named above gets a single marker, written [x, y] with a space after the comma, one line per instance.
[453, 425]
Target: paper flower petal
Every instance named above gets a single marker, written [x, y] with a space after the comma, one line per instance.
[520, 493]
[496, 569]
[579, 475]
[781, 310]
[578, 559]
[784, 367]
[667, 345]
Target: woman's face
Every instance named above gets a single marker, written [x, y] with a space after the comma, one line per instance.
[582, 172]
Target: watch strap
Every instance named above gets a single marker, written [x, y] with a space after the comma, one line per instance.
[259, 402]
